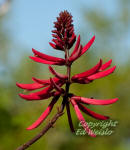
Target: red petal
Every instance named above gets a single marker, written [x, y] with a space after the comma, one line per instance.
[31, 97]
[58, 75]
[81, 119]
[37, 59]
[43, 94]
[106, 65]
[102, 74]
[52, 45]
[44, 91]
[88, 72]
[47, 57]
[44, 115]
[95, 101]
[87, 46]
[32, 86]
[91, 113]
[46, 81]
[76, 46]
[58, 44]
[72, 40]
[76, 54]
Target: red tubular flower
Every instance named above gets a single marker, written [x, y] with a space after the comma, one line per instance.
[63, 39]
[43, 94]
[88, 72]
[76, 47]
[94, 101]
[44, 114]
[106, 65]
[29, 87]
[43, 61]
[91, 113]
[81, 119]
[45, 81]
[58, 75]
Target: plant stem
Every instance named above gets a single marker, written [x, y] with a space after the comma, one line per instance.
[45, 129]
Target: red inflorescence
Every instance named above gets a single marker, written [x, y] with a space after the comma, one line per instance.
[64, 38]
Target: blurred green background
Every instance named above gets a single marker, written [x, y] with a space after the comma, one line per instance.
[27, 24]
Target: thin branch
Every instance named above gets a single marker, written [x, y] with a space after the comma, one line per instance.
[45, 129]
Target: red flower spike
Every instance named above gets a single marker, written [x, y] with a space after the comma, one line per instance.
[65, 31]
[81, 119]
[44, 114]
[91, 113]
[102, 74]
[63, 39]
[106, 65]
[94, 101]
[57, 87]
[69, 118]
[58, 75]
[29, 87]
[76, 46]
[37, 59]
[88, 72]
[47, 57]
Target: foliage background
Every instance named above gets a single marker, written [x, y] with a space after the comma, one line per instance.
[27, 24]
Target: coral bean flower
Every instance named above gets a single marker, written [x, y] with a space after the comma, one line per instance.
[63, 39]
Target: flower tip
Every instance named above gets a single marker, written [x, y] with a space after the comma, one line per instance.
[93, 39]
[30, 57]
[101, 61]
[113, 68]
[116, 99]
[92, 135]
[107, 117]
[52, 45]
[21, 95]
[34, 51]
[29, 128]
[79, 37]
[18, 85]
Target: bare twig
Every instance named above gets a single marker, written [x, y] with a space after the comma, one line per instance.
[45, 129]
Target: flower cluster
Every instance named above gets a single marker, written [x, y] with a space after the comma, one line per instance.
[64, 38]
